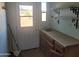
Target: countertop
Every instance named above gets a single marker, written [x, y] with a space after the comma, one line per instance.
[63, 39]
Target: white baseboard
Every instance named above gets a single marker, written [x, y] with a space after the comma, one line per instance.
[4, 54]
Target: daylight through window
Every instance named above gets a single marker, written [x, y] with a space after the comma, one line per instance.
[26, 16]
[43, 9]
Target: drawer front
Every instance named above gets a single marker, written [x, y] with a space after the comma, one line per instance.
[53, 53]
[59, 48]
[50, 45]
[50, 40]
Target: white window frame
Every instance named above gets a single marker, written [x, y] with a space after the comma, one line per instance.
[44, 10]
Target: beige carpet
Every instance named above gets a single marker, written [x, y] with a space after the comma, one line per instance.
[32, 53]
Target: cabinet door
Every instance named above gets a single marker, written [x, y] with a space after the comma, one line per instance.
[43, 45]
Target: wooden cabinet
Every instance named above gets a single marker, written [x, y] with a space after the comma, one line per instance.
[52, 48]
[59, 48]
[43, 43]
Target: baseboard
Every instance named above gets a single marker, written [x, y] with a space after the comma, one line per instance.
[4, 54]
[28, 49]
[25, 50]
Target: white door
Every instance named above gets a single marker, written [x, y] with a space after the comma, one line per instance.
[27, 34]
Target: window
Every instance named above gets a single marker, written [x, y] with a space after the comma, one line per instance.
[43, 7]
[26, 16]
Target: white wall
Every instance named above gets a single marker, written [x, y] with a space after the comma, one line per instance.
[65, 23]
[46, 24]
[1, 5]
[3, 32]
[11, 18]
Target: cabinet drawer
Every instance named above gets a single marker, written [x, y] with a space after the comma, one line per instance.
[59, 48]
[50, 40]
[50, 45]
[53, 53]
